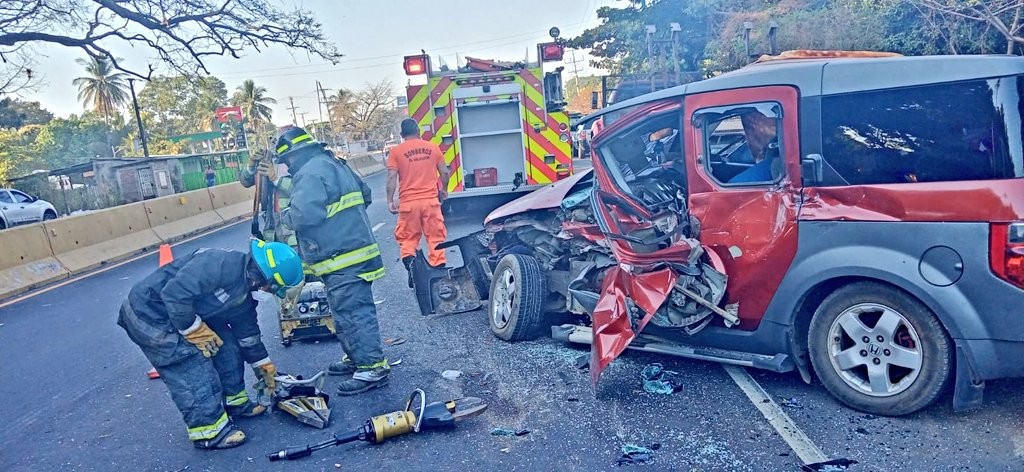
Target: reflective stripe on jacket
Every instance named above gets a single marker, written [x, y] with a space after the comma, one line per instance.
[328, 212]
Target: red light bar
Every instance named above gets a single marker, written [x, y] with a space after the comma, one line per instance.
[416, 65]
[551, 52]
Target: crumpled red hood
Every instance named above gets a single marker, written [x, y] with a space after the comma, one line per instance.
[550, 196]
[613, 330]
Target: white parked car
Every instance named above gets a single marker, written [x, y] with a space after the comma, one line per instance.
[17, 207]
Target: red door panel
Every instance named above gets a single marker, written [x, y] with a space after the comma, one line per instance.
[751, 228]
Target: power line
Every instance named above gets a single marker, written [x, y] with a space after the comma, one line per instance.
[453, 48]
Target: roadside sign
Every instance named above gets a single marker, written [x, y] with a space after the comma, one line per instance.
[225, 114]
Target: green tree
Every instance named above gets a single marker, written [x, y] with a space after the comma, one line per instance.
[16, 113]
[254, 102]
[176, 105]
[104, 90]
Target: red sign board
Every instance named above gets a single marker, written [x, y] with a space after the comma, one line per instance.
[226, 114]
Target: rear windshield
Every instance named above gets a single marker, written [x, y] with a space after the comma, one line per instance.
[935, 133]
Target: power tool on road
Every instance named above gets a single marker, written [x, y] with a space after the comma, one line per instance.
[302, 398]
[436, 415]
[310, 318]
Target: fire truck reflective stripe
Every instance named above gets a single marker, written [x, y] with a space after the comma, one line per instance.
[540, 173]
[549, 135]
[417, 96]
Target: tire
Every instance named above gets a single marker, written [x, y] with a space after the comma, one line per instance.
[49, 215]
[516, 305]
[3, 224]
[906, 362]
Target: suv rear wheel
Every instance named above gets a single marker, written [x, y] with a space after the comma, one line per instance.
[879, 350]
[517, 299]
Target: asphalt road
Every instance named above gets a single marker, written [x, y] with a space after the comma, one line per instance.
[76, 398]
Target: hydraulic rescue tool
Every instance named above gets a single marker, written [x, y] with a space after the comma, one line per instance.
[437, 415]
[302, 398]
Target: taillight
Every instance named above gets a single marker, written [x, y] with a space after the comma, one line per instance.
[1006, 252]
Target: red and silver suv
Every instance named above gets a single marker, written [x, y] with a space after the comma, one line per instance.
[858, 218]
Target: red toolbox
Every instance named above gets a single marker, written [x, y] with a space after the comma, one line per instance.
[485, 177]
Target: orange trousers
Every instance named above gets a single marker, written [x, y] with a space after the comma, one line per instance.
[421, 218]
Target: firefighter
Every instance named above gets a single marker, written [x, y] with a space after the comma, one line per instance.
[328, 213]
[275, 197]
[195, 320]
[418, 169]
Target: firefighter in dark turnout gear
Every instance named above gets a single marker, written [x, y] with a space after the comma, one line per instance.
[328, 214]
[195, 320]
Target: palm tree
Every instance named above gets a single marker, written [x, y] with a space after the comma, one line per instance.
[254, 102]
[342, 106]
[104, 89]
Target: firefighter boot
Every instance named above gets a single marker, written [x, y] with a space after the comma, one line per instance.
[228, 437]
[343, 367]
[408, 261]
[364, 380]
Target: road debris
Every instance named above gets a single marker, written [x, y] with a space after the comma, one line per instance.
[509, 432]
[834, 465]
[396, 361]
[505, 450]
[790, 403]
[394, 341]
[633, 454]
[583, 362]
[660, 381]
[451, 374]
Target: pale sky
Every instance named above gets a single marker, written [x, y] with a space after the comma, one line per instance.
[373, 35]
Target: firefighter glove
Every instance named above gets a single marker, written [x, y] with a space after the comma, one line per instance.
[203, 338]
[268, 169]
[266, 370]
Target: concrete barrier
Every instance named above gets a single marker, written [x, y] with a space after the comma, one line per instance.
[232, 201]
[177, 216]
[26, 260]
[87, 241]
[365, 165]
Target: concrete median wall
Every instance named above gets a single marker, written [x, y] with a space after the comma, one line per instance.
[85, 242]
[365, 165]
[232, 202]
[183, 214]
[27, 261]
[42, 253]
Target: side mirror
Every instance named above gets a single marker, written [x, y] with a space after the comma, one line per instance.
[593, 100]
[812, 169]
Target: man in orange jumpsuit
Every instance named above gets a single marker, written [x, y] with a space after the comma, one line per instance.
[417, 168]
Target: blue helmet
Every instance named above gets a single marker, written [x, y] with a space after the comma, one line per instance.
[278, 263]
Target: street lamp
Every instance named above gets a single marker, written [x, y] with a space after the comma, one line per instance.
[138, 119]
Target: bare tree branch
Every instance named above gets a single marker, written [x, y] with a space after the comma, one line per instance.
[182, 34]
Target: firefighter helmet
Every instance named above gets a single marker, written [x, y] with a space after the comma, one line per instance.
[279, 263]
[292, 139]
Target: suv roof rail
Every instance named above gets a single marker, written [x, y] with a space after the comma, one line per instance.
[824, 54]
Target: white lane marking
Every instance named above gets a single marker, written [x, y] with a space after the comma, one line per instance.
[804, 448]
[86, 275]
[377, 226]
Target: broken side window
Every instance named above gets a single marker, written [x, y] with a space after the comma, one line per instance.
[943, 132]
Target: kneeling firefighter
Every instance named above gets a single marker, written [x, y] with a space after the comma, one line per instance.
[328, 214]
[195, 320]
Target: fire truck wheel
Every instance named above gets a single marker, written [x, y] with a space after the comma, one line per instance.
[517, 299]
[879, 350]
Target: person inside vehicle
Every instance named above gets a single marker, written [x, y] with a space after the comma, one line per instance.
[761, 147]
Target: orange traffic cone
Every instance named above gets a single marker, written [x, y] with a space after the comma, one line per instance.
[165, 254]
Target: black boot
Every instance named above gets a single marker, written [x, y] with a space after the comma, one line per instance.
[408, 262]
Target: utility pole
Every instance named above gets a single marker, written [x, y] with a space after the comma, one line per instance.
[295, 120]
[138, 119]
[319, 103]
[330, 119]
[303, 115]
[676, 28]
[575, 71]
